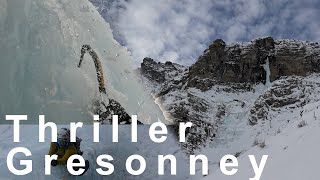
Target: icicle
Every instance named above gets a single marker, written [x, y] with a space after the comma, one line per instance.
[266, 67]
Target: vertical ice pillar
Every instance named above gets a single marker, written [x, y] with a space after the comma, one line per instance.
[266, 67]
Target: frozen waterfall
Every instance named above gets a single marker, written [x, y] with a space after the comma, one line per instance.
[40, 44]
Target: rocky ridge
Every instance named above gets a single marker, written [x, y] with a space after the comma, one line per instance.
[230, 81]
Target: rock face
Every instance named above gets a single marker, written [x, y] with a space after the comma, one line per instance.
[159, 72]
[291, 92]
[224, 84]
[295, 58]
[243, 63]
[106, 111]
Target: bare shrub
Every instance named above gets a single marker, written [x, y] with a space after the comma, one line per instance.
[302, 124]
[261, 144]
[237, 154]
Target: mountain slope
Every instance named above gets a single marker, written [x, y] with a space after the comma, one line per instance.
[249, 83]
[292, 151]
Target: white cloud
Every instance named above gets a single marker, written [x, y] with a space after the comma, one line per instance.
[180, 30]
[166, 30]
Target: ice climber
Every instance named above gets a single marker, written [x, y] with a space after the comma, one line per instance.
[64, 148]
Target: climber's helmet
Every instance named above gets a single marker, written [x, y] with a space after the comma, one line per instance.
[63, 136]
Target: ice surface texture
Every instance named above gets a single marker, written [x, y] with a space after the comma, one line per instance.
[40, 43]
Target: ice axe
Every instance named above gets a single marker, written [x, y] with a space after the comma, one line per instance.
[87, 48]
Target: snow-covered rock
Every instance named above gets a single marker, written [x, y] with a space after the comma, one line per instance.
[197, 94]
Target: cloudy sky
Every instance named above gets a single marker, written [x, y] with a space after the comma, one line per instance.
[180, 30]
